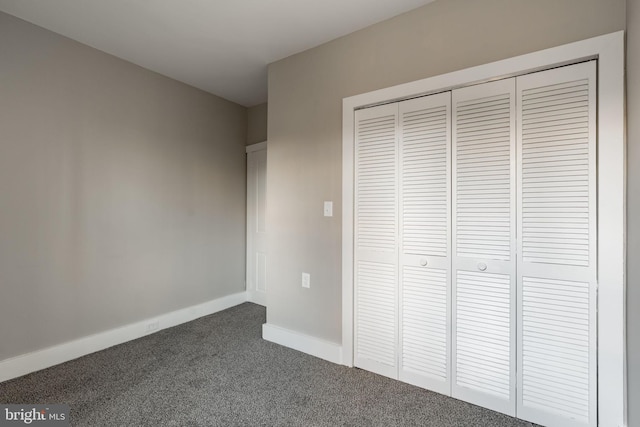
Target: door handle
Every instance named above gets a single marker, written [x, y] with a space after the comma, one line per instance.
[423, 262]
[482, 266]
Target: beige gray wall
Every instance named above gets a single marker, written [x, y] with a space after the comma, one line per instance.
[122, 192]
[633, 209]
[257, 124]
[305, 123]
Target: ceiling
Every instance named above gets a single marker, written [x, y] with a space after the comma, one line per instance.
[220, 46]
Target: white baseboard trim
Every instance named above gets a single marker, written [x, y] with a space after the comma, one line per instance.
[41, 359]
[257, 298]
[305, 343]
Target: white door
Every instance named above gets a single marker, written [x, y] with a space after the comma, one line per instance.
[475, 244]
[484, 244]
[256, 223]
[376, 240]
[557, 246]
[425, 241]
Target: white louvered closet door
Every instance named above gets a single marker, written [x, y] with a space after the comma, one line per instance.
[425, 263]
[484, 259]
[376, 240]
[557, 248]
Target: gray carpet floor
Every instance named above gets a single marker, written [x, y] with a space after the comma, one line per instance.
[217, 371]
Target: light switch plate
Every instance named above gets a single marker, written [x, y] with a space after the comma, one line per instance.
[328, 208]
[306, 280]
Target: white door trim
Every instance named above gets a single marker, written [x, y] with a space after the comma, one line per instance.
[609, 50]
[256, 147]
[253, 295]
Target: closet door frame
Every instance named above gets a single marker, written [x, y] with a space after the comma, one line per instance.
[609, 51]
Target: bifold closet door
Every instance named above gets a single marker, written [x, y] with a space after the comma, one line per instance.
[425, 241]
[475, 244]
[557, 248]
[376, 240]
[484, 259]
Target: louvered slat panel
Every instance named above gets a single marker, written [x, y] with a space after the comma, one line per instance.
[483, 177]
[376, 240]
[557, 266]
[483, 313]
[425, 248]
[376, 200]
[375, 312]
[424, 322]
[555, 128]
[483, 332]
[555, 346]
[425, 177]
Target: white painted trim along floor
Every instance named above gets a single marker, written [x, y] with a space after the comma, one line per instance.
[41, 359]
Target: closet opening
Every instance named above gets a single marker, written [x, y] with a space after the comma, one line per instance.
[474, 263]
